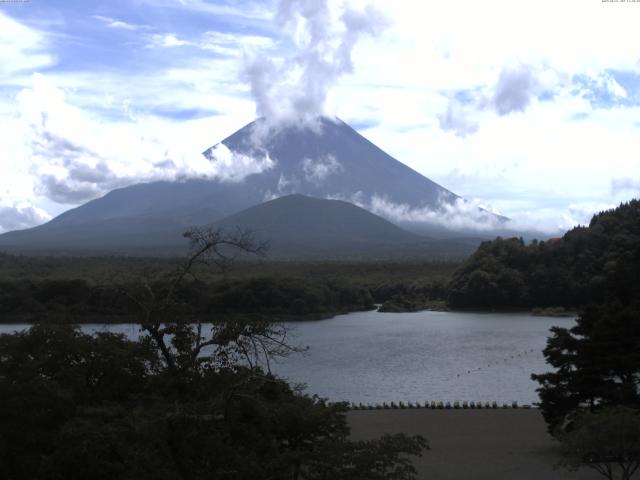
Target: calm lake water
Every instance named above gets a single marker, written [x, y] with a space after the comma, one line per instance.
[373, 357]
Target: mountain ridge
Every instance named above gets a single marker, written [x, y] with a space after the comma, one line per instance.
[310, 226]
[331, 161]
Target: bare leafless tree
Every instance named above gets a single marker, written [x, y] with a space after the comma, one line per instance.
[182, 338]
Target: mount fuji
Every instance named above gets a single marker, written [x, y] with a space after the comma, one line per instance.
[328, 160]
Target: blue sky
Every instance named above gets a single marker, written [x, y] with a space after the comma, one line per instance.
[534, 115]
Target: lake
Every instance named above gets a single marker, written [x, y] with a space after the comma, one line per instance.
[373, 357]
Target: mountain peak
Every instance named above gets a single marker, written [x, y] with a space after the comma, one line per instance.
[325, 160]
[331, 160]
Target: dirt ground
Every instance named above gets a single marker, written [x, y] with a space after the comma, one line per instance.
[473, 444]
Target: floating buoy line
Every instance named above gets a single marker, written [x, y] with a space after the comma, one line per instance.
[433, 405]
[495, 363]
[440, 405]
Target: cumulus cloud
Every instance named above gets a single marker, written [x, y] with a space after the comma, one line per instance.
[515, 89]
[517, 86]
[520, 84]
[456, 119]
[323, 36]
[74, 158]
[20, 216]
[475, 215]
[460, 214]
[316, 171]
[234, 167]
[68, 172]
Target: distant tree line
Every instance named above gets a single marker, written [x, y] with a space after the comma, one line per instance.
[78, 300]
[80, 290]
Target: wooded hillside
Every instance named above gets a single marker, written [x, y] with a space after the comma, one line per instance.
[583, 266]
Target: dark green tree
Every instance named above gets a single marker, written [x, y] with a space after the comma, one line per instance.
[607, 441]
[597, 363]
[50, 377]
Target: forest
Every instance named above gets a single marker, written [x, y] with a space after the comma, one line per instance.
[586, 265]
[90, 290]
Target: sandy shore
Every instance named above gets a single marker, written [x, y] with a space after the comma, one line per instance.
[473, 444]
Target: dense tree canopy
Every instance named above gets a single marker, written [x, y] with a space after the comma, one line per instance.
[82, 301]
[76, 406]
[583, 266]
[597, 363]
[608, 441]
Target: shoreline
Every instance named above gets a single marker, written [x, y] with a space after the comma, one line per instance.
[106, 319]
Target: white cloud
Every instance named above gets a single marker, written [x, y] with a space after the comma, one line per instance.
[294, 87]
[457, 119]
[234, 167]
[232, 45]
[476, 215]
[74, 157]
[318, 170]
[461, 214]
[119, 24]
[601, 82]
[224, 44]
[615, 88]
[515, 90]
[20, 216]
[168, 40]
[22, 49]
[246, 10]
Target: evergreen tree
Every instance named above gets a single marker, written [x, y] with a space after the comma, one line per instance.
[597, 363]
